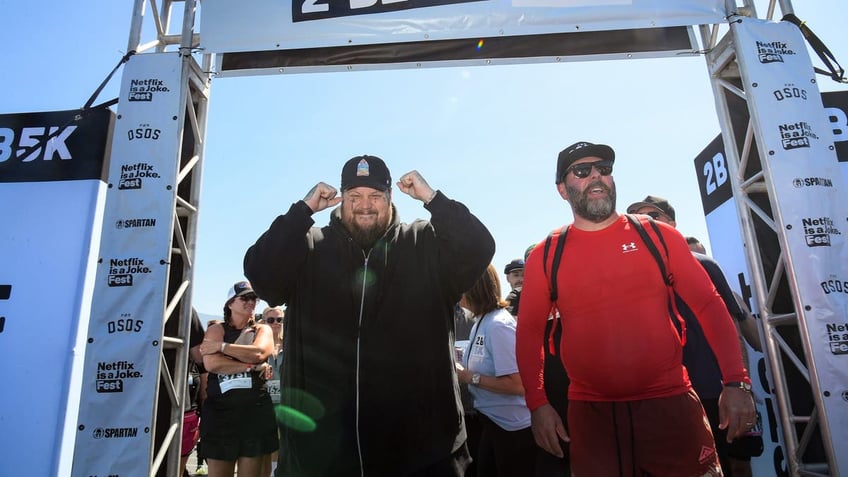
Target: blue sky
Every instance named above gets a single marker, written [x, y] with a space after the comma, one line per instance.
[487, 136]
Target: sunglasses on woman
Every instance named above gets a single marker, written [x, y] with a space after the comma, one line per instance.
[581, 171]
[248, 298]
[271, 320]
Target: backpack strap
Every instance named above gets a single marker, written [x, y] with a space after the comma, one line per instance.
[553, 324]
[557, 257]
[668, 278]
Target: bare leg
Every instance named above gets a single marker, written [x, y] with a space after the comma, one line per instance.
[268, 465]
[251, 466]
[221, 468]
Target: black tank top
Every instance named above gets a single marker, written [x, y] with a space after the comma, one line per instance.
[243, 384]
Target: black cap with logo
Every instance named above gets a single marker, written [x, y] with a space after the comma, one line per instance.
[366, 171]
[579, 150]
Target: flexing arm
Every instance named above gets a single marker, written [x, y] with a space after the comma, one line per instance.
[271, 264]
[465, 245]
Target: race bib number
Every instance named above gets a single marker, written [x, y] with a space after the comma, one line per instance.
[273, 388]
[235, 381]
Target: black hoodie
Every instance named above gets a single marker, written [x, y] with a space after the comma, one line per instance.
[368, 351]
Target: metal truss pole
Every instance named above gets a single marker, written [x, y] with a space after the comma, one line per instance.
[194, 95]
[800, 411]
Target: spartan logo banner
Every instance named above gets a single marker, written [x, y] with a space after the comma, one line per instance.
[796, 135]
[124, 333]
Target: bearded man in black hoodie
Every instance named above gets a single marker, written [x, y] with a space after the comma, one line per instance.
[368, 380]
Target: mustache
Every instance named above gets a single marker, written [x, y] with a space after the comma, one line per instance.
[597, 183]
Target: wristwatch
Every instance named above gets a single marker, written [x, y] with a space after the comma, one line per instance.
[739, 384]
[475, 378]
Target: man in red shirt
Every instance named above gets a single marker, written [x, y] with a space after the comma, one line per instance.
[632, 408]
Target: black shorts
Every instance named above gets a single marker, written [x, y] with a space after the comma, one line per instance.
[230, 428]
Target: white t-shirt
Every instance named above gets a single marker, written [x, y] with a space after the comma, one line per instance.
[491, 352]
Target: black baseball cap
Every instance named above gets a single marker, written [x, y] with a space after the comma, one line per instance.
[517, 264]
[656, 202]
[579, 150]
[366, 171]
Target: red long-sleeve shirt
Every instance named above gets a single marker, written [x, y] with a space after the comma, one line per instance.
[618, 341]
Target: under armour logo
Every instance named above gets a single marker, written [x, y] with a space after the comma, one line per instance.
[628, 247]
[707, 454]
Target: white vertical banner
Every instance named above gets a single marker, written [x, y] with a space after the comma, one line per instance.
[796, 141]
[51, 207]
[115, 425]
[726, 247]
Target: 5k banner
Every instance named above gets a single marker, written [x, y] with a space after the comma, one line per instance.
[51, 206]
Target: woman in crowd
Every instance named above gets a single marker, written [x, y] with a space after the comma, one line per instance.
[506, 446]
[273, 317]
[237, 425]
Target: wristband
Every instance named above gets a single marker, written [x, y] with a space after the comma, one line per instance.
[739, 385]
[223, 346]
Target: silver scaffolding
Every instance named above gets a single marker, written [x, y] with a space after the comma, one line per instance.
[194, 95]
[810, 448]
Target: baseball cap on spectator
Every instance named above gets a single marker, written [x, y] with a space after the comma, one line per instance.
[655, 202]
[517, 264]
[579, 150]
[366, 171]
[238, 289]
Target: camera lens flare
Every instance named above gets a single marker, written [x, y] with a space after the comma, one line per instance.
[298, 410]
[294, 419]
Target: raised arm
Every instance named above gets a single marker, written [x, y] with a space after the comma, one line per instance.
[465, 245]
[272, 262]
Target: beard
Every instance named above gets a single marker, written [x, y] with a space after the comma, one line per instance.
[367, 235]
[593, 210]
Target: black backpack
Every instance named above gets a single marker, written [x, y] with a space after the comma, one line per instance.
[553, 329]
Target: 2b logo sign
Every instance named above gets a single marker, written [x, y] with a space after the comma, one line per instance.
[35, 143]
[715, 172]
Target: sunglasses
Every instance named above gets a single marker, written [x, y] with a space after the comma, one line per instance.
[248, 298]
[580, 171]
[654, 214]
[271, 320]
